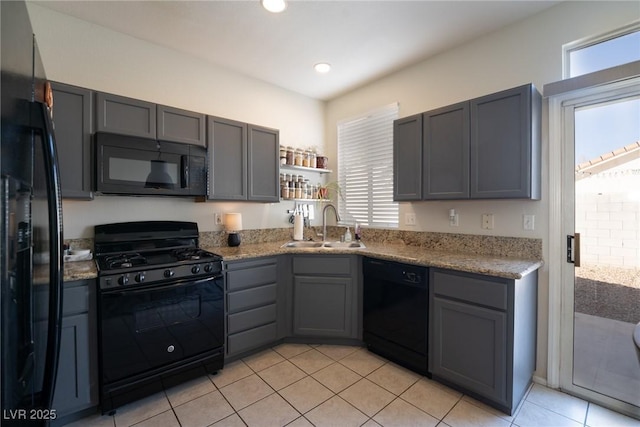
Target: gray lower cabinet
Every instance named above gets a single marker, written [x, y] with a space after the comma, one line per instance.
[72, 114]
[483, 334]
[326, 296]
[77, 381]
[125, 116]
[243, 161]
[176, 125]
[251, 304]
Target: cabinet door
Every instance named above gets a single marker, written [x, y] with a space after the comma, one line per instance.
[227, 159]
[322, 306]
[176, 125]
[263, 164]
[504, 145]
[446, 153]
[468, 347]
[73, 390]
[72, 111]
[407, 158]
[126, 116]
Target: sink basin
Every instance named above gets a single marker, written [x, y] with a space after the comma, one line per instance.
[326, 245]
[344, 245]
[302, 244]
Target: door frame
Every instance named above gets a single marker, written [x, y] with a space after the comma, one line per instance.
[562, 105]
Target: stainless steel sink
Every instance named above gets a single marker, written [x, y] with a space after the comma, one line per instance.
[302, 244]
[344, 245]
[325, 245]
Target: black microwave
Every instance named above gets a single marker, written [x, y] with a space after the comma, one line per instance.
[139, 166]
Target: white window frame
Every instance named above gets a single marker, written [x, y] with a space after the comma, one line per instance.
[568, 48]
[373, 155]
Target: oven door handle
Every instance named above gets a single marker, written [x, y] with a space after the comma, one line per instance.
[182, 283]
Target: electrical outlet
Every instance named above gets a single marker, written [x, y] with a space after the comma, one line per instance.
[217, 218]
[487, 221]
[409, 218]
[453, 220]
[528, 222]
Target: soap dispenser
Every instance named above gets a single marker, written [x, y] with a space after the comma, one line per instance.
[347, 235]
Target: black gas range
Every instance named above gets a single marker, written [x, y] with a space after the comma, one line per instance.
[161, 311]
[151, 252]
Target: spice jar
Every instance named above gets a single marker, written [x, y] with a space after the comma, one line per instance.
[283, 155]
[284, 191]
[289, 155]
[312, 159]
[299, 154]
[306, 158]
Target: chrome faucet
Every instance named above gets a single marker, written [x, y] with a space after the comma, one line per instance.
[324, 219]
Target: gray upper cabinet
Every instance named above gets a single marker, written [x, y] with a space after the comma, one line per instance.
[72, 114]
[446, 153]
[485, 148]
[126, 116]
[176, 125]
[505, 144]
[263, 164]
[227, 152]
[407, 158]
[243, 161]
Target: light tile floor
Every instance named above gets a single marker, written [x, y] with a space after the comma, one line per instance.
[300, 385]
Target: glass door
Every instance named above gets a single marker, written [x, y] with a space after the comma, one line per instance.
[601, 281]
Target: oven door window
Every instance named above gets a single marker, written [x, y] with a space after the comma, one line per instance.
[145, 329]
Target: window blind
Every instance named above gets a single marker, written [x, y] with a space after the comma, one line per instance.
[365, 169]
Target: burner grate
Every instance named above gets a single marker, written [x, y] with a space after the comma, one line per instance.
[125, 260]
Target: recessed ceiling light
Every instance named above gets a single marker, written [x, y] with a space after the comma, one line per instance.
[322, 67]
[275, 6]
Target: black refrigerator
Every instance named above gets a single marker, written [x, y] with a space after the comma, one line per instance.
[30, 231]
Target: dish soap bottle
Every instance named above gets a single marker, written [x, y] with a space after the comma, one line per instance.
[347, 235]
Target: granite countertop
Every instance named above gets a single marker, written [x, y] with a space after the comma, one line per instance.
[505, 267]
[509, 268]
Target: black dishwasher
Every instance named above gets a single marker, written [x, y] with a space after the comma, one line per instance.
[396, 312]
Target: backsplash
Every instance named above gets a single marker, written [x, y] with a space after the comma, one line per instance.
[513, 247]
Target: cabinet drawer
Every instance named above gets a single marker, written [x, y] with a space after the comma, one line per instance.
[322, 264]
[251, 277]
[252, 338]
[249, 298]
[251, 318]
[490, 292]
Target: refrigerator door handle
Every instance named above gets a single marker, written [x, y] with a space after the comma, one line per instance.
[54, 202]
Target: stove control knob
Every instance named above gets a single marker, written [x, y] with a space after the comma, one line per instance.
[168, 273]
[195, 269]
[123, 280]
[208, 268]
[140, 277]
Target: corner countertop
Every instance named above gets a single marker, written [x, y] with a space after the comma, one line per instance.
[505, 267]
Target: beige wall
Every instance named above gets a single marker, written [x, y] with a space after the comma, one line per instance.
[529, 51]
[83, 54]
[80, 53]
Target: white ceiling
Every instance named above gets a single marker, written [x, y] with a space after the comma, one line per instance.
[363, 40]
